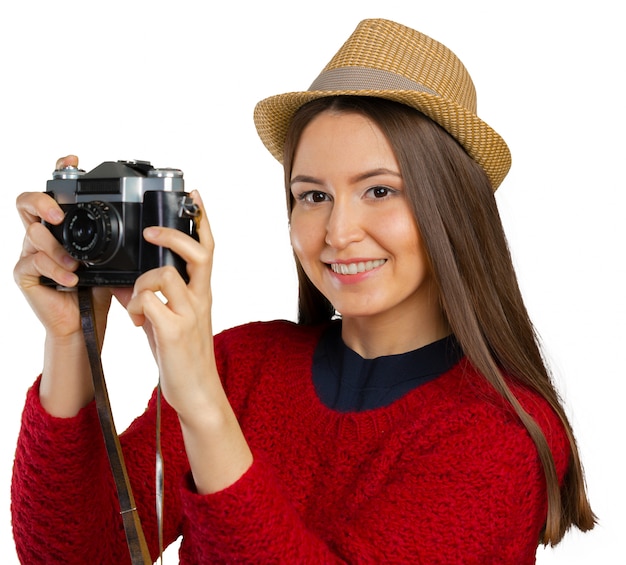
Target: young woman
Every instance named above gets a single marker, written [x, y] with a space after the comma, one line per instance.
[407, 418]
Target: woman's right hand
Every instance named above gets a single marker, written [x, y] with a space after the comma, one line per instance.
[65, 360]
[43, 255]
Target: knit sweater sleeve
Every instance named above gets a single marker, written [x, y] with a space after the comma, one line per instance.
[64, 504]
[253, 521]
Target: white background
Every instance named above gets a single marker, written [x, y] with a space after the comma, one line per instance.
[176, 83]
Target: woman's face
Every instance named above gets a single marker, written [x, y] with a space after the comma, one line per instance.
[352, 227]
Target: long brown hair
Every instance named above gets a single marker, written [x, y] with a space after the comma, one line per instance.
[458, 219]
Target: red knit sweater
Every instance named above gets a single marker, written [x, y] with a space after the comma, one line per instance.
[446, 474]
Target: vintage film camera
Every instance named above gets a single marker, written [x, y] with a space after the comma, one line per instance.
[106, 211]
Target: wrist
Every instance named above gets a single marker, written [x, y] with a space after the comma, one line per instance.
[216, 447]
[66, 383]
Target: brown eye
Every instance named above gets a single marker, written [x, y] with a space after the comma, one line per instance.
[314, 197]
[379, 192]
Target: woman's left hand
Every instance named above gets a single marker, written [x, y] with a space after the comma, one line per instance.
[178, 322]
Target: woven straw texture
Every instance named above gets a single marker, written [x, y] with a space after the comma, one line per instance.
[388, 60]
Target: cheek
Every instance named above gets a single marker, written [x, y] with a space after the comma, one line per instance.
[404, 236]
[398, 228]
[302, 236]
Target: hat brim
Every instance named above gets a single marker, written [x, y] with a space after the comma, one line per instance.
[273, 115]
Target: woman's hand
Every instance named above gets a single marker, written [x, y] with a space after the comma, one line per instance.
[179, 319]
[179, 314]
[66, 384]
[43, 255]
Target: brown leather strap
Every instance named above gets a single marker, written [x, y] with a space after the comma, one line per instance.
[132, 525]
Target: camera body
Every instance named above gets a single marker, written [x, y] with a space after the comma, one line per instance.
[106, 210]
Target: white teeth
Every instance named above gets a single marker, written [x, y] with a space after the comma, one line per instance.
[355, 268]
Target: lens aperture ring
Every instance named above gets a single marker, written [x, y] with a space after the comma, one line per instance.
[91, 232]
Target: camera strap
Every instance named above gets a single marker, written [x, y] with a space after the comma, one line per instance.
[132, 525]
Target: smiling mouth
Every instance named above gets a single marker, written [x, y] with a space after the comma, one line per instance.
[356, 268]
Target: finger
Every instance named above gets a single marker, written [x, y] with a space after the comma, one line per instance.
[179, 242]
[38, 238]
[199, 271]
[67, 161]
[145, 302]
[204, 228]
[35, 265]
[29, 269]
[174, 235]
[50, 258]
[144, 308]
[36, 206]
[198, 256]
[168, 282]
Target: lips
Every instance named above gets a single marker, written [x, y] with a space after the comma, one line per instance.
[357, 267]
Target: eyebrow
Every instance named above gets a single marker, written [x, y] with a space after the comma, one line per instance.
[357, 178]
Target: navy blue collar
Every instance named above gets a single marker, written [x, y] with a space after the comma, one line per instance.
[347, 382]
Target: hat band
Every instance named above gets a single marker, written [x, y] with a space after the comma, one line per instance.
[365, 78]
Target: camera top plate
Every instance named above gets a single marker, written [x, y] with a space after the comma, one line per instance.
[116, 181]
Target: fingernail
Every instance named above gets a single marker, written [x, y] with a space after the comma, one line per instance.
[70, 262]
[151, 232]
[70, 279]
[56, 216]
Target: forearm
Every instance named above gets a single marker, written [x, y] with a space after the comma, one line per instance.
[66, 383]
[216, 448]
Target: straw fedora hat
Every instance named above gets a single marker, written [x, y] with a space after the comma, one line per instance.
[385, 59]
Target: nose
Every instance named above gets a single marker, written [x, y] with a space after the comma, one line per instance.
[344, 225]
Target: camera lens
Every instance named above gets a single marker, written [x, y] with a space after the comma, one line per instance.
[91, 232]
